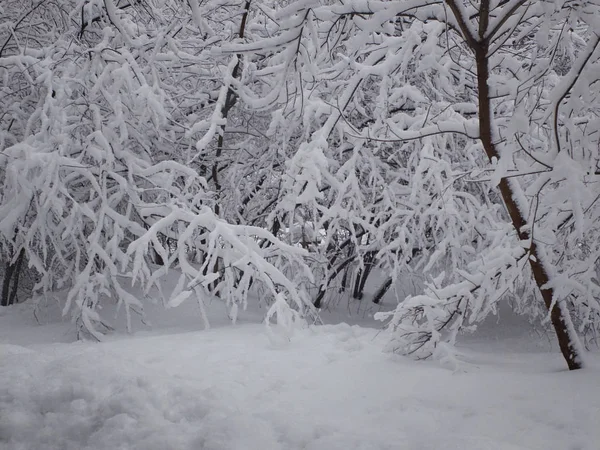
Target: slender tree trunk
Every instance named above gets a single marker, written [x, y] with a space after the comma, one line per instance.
[511, 191]
[363, 275]
[10, 283]
[382, 291]
[369, 263]
[8, 273]
[230, 101]
[356, 291]
[344, 280]
[343, 266]
[18, 266]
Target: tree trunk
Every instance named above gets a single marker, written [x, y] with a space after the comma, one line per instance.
[369, 263]
[18, 266]
[323, 289]
[344, 280]
[8, 273]
[511, 192]
[11, 278]
[356, 291]
[382, 291]
[362, 275]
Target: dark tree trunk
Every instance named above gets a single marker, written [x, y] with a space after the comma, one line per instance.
[230, 101]
[369, 264]
[8, 272]
[323, 289]
[11, 279]
[382, 291]
[356, 291]
[480, 46]
[362, 275]
[16, 274]
[345, 280]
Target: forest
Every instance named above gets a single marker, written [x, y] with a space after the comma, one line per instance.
[297, 155]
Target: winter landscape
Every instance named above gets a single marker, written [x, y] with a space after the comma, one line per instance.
[299, 224]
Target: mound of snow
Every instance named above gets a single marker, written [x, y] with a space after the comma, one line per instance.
[330, 388]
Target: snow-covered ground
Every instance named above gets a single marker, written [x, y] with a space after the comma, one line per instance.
[329, 388]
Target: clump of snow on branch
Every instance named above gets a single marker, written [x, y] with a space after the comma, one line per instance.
[384, 103]
[97, 137]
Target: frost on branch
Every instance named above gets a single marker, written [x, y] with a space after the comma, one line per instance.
[422, 165]
[447, 308]
[244, 260]
[97, 185]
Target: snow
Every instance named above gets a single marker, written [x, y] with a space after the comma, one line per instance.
[330, 387]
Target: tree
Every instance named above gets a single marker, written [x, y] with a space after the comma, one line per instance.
[292, 145]
[101, 105]
[463, 133]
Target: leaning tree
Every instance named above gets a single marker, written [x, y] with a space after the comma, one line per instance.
[464, 134]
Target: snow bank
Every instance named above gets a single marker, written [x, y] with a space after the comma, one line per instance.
[331, 388]
[94, 400]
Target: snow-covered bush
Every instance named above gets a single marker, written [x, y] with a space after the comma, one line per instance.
[102, 105]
